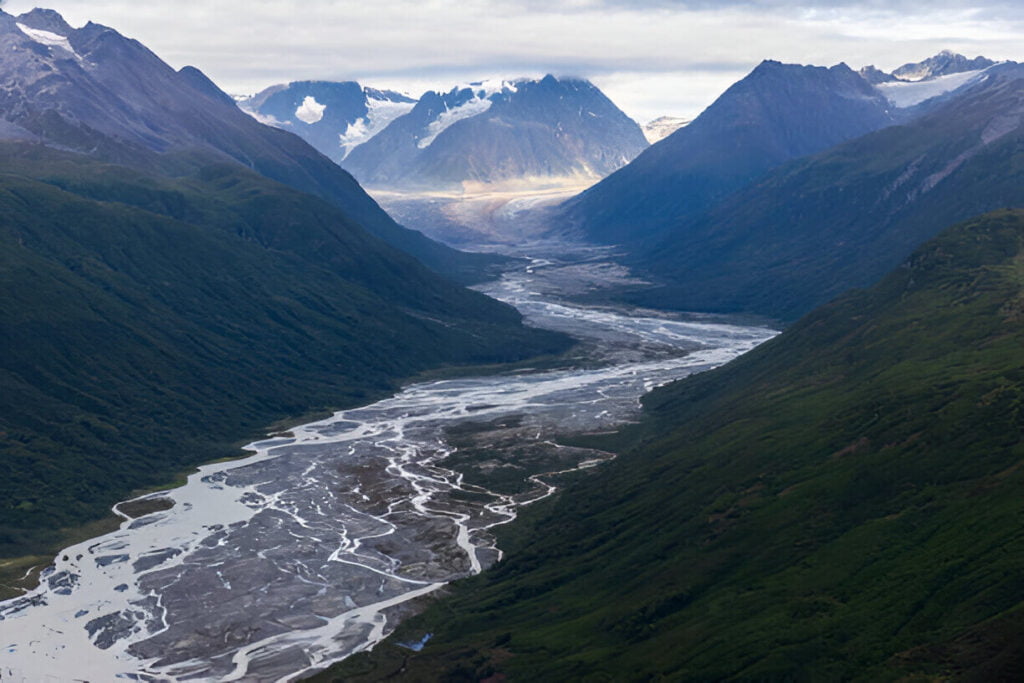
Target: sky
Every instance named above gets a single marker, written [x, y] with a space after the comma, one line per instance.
[651, 57]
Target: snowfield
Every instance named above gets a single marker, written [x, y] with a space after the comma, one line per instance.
[908, 93]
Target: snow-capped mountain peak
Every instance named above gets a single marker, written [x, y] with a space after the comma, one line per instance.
[945, 63]
[916, 82]
[498, 130]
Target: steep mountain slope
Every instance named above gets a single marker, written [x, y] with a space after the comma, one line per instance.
[842, 503]
[818, 226]
[97, 92]
[777, 113]
[333, 117]
[147, 324]
[490, 133]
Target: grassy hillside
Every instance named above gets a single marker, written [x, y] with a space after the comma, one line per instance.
[844, 502]
[147, 325]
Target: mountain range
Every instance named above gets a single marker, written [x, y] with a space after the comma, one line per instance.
[945, 63]
[97, 92]
[774, 228]
[817, 227]
[525, 130]
[841, 503]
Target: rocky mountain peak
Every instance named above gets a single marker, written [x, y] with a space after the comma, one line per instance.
[45, 20]
[943, 64]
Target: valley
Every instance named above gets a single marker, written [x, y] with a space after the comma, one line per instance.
[767, 352]
[312, 548]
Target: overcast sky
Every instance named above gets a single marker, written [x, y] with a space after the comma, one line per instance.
[652, 57]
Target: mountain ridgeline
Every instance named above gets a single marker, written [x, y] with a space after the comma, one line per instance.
[150, 323]
[808, 231]
[841, 503]
[777, 113]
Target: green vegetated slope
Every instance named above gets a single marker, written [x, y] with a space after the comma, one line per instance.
[148, 324]
[844, 502]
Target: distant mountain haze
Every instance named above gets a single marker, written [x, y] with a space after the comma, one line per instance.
[663, 126]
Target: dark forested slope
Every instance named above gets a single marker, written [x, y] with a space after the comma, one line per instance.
[844, 502]
[146, 324]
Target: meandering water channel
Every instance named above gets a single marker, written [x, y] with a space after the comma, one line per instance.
[275, 565]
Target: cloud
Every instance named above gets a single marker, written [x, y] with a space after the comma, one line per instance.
[653, 56]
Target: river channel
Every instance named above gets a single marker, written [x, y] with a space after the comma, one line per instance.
[310, 549]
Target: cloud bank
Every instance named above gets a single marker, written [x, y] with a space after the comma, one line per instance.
[653, 57]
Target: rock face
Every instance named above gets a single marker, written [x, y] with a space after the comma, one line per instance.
[874, 75]
[504, 131]
[333, 117]
[776, 113]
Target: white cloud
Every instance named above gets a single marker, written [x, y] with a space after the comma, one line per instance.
[310, 111]
[653, 56]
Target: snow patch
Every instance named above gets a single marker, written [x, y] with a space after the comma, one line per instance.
[473, 107]
[663, 126]
[47, 38]
[491, 87]
[908, 93]
[310, 111]
[380, 114]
